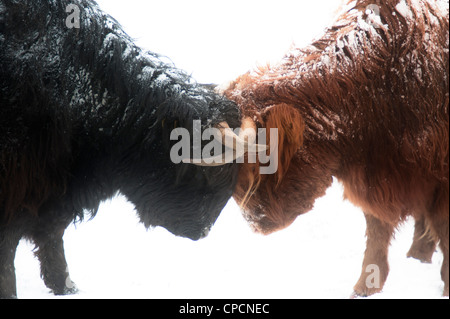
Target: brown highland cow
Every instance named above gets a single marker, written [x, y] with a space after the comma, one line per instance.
[368, 104]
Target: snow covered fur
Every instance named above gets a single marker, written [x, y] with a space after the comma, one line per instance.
[84, 113]
[366, 103]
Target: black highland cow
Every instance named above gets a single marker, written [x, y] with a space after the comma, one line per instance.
[84, 113]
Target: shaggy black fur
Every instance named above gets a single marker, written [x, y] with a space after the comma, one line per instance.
[84, 113]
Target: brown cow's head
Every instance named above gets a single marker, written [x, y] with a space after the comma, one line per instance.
[267, 199]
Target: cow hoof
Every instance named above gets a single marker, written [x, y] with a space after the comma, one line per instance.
[66, 291]
[359, 295]
[362, 291]
[424, 257]
[355, 295]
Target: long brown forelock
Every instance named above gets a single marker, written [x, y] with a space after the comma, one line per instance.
[290, 126]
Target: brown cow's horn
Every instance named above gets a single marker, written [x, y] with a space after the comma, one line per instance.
[239, 143]
[246, 137]
[230, 139]
[248, 130]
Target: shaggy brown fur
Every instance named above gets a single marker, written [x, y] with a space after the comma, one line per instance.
[368, 104]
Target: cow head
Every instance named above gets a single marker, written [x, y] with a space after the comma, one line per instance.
[167, 190]
[268, 199]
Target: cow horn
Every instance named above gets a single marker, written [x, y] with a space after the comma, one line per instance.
[238, 143]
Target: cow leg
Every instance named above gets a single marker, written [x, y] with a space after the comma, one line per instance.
[50, 251]
[424, 245]
[9, 241]
[445, 264]
[440, 228]
[375, 266]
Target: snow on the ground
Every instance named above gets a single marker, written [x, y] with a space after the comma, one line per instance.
[319, 256]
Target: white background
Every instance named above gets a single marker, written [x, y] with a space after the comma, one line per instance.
[319, 256]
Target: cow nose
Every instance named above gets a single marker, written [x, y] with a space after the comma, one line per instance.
[197, 235]
[205, 233]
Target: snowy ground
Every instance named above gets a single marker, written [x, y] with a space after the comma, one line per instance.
[319, 256]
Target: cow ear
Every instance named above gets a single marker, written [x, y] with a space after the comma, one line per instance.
[287, 119]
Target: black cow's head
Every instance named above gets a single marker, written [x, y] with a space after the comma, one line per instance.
[185, 199]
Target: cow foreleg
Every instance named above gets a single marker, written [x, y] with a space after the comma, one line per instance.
[375, 266]
[54, 270]
[8, 245]
[424, 245]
